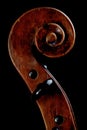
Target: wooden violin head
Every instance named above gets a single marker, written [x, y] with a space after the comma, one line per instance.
[53, 35]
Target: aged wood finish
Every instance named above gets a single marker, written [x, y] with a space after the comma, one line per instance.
[53, 34]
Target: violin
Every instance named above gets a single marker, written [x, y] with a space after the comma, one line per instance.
[47, 32]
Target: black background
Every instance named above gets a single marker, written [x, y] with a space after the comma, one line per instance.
[18, 111]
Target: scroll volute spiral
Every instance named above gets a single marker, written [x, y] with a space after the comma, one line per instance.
[53, 35]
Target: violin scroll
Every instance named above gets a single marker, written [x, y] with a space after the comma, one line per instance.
[53, 35]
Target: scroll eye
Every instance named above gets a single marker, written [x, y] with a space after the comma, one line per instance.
[52, 36]
[55, 39]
